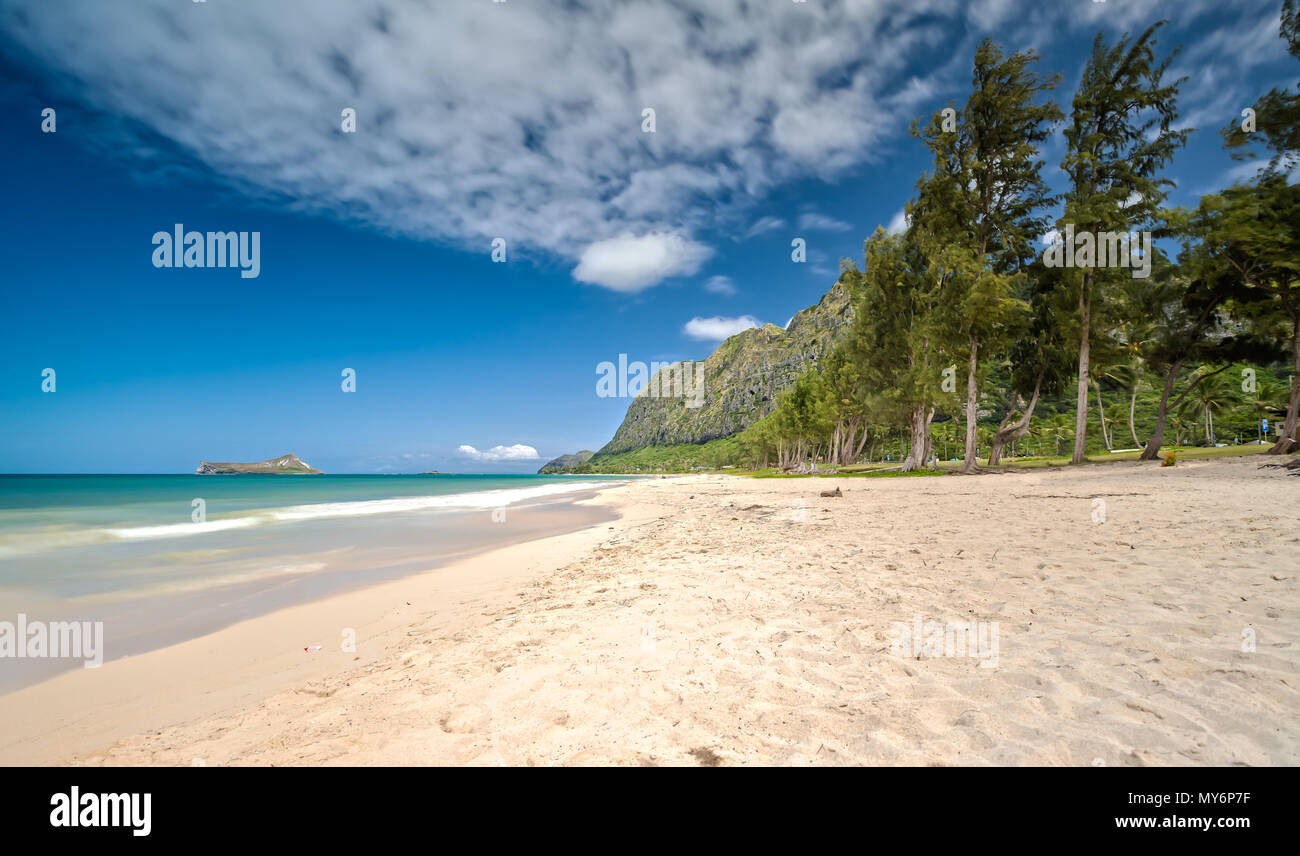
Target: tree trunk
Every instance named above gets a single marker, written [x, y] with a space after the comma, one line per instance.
[1020, 428]
[1288, 442]
[857, 453]
[1101, 416]
[968, 464]
[1152, 450]
[919, 428]
[999, 439]
[1132, 406]
[1153, 445]
[1085, 353]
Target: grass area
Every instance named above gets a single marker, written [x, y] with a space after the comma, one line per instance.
[659, 459]
[1183, 453]
[883, 471]
[713, 455]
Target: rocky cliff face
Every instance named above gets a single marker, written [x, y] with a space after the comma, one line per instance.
[283, 465]
[741, 379]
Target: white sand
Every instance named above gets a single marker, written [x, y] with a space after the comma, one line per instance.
[700, 629]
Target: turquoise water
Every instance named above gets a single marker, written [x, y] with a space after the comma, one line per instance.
[28, 501]
[48, 514]
[134, 552]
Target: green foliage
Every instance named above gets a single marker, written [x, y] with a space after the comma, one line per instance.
[979, 213]
[1120, 136]
[961, 287]
[669, 459]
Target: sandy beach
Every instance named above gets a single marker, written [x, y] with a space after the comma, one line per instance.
[1142, 616]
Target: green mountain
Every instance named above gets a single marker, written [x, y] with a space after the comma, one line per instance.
[285, 465]
[742, 380]
[566, 462]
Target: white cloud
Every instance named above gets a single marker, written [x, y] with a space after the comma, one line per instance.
[484, 120]
[717, 328]
[814, 222]
[631, 263]
[478, 120]
[720, 285]
[898, 223]
[1252, 39]
[1243, 172]
[764, 225]
[517, 452]
[991, 13]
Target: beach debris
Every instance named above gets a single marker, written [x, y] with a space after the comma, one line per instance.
[836, 492]
[706, 756]
[311, 649]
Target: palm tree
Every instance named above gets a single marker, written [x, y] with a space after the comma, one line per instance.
[983, 437]
[1210, 396]
[1268, 399]
[1127, 378]
[1101, 414]
[1112, 422]
[1138, 330]
[1178, 423]
[1056, 429]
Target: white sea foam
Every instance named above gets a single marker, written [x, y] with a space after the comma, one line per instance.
[39, 542]
[172, 530]
[477, 499]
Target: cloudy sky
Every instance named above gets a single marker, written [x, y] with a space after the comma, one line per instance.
[643, 166]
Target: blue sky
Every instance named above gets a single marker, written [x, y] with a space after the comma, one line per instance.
[475, 120]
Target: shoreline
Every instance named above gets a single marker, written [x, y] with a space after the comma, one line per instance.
[725, 621]
[169, 587]
[250, 660]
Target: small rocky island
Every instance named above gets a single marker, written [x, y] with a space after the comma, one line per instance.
[285, 465]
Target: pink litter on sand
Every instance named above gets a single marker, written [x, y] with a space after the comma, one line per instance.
[312, 648]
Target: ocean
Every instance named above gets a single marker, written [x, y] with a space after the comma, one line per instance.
[163, 558]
